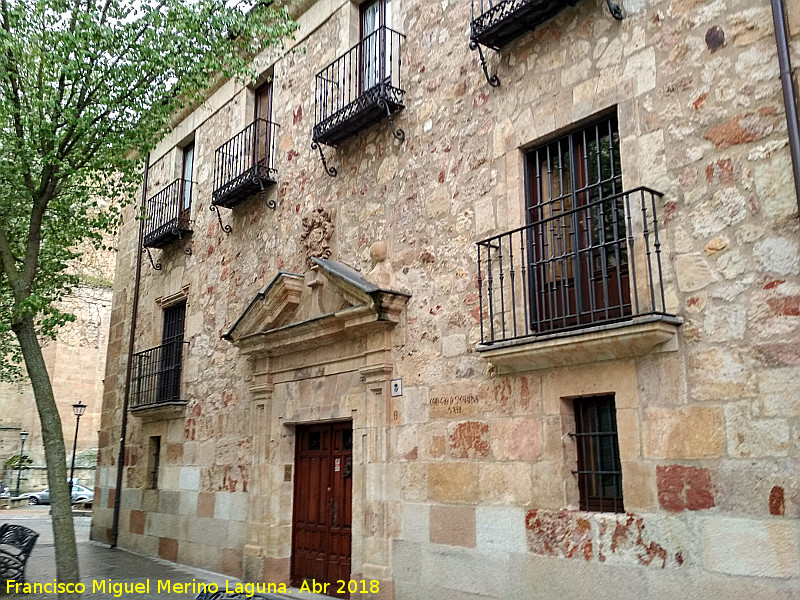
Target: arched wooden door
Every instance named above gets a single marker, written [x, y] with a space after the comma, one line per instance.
[323, 486]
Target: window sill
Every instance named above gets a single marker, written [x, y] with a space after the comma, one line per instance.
[604, 342]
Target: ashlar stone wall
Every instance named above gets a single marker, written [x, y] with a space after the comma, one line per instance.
[477, 496]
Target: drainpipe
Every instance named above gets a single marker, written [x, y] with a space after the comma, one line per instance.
[129, 368]
[789, 98]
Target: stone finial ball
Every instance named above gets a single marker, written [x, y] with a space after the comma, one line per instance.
[378, 252]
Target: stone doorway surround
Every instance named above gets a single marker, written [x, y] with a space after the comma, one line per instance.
[320, 349]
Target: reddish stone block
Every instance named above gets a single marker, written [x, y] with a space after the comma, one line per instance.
[231, 563]
[788, 306]
[469, 440]
[137, 520]
[559, 533]
[112, 493]
[276, 570]
[741, 129]
[168, 549]
[777, 503]
[453, 525]
[720, 171]
[174, 453]
[684, 488]
[205, 504]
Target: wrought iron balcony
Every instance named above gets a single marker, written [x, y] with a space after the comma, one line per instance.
[495, 23]
[596, 263]
[168, 213]
[157, 376]
[359, 88]
[245, 164]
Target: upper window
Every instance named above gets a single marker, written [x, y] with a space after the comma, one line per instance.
[579, 274]
[186, 178]
[599, 470]
[245, 163]
[375, 57]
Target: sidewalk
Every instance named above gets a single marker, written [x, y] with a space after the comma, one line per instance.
[100, 563]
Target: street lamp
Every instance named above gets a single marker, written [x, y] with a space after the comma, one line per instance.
[23, 435]
[78, 409]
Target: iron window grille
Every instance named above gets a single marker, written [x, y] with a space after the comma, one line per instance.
[245, 164]
[590, 253]
[359, 88]
[167, 214]
[157, 371]
[599, 469]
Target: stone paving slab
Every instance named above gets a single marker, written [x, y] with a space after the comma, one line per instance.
[99, 563]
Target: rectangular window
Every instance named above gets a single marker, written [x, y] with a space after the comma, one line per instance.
[578, 246]
[599, 470]
[169, 381]
[154, 461]
[375, 57]
[187, 169]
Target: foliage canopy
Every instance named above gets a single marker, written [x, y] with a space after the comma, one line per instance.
[86, 88]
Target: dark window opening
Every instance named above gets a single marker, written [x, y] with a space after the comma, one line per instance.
[579, 247]
[169, 383]
[599, 470]
[154, 461]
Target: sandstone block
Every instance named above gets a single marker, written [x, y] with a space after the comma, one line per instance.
[453, 482]
[750, 548]
[683, 433]
[777, 255]
[452, 525]
[505, 483]
[643, 540]
[416, 522]
[516, 439]
[501, 529]
[751, 437]
[693, 272]
[638, 486]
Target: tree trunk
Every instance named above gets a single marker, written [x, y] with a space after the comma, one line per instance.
[55, 455]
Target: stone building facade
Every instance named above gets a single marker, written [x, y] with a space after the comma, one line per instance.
[532, 340]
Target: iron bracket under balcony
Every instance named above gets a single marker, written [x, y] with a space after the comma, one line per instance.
[167, 215]
[244, 165]
[359, 89]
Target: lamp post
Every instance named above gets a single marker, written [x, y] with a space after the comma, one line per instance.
[78, 409]
[23, 435]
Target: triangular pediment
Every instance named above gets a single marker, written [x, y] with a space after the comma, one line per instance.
[331, 301]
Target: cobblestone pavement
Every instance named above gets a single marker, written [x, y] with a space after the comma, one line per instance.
[99, 563]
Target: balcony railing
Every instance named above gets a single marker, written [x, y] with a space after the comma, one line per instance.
[157, 376]
[167, 216]
[597, 263]
[244, 164]
[359, 88]
[495, 23]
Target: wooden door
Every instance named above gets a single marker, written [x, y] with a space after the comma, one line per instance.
[322, 504]
[262, 128]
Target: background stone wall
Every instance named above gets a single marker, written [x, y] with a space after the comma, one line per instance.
[481, 501]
